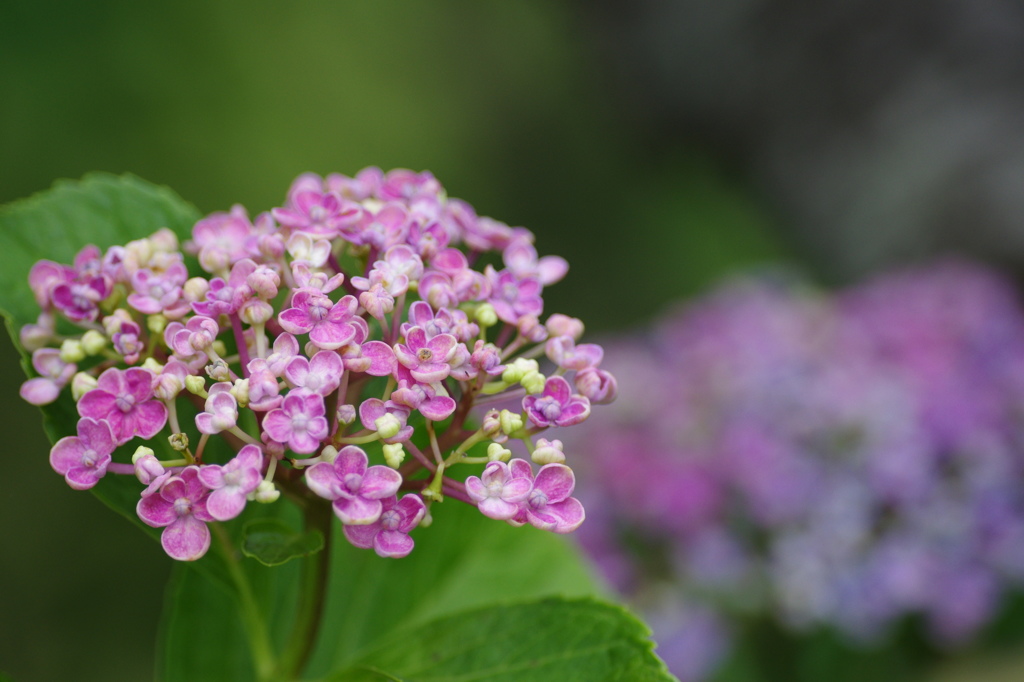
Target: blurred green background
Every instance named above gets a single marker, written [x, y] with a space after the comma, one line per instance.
[226, 102]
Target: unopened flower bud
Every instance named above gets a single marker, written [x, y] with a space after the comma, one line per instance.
[195, 289]
[178, 441]
[214, 259]
[597, 385]
[34, 336]
[156, 324]
[164, 240]
[271, 246]
[81, 384]
[93, 342]
[510, 422]
[498, 453]
[153, 365]
[388, 425]
[346, 414]
[264, 282]
[147, 467]
[548, 452]
[329, 454]
[218, 371]
[491, 423]
[218, 347]
[394, 454]
[563, 325]
[196, 385]
[71, 351]
[485, 315]
[167, 386]
[531, 328]
[112, 323]
[240, 390]
[517, 369]
[533, 382]
[255, 311]
[266, 493]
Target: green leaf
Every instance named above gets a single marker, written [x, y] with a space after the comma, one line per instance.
[463, 560]
[551, 639]
[100, 209]
[272, 542]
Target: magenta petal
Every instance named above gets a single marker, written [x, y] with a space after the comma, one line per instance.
[83, 477]
[558, 388]
[322, 480]
[476, 489]
[332, 335]
[296, 371]
[305, 443]
[39, 391]
[556, 481]
[382, 358]
[379, 482]
[497, 508]
[516, 490]
[437, 408]
[139, 383]
[575, 412]
[564, 517]
[278, 425]
[295, 321]
[226, 503]
[150, 417]
[211, 475]
[392, 544]
[97, 403]
[361, 536]
[351, 460]
[155, 511]
[187, 539]
[111, 381]
[412, 510]
[357, 511]
[66, 453]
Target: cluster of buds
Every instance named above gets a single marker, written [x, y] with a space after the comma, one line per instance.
[348, 326]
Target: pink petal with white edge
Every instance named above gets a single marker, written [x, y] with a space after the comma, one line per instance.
[155, 511]
[351, 460]
[187, 539]
[66, 453]
[323, 481]
[564, 517]
[361, 536]
[557, 481]
[392, 544]
[357, 511]
[150, 417]
[225, 503]
[380, 482]
[84, 477]
[496, 508]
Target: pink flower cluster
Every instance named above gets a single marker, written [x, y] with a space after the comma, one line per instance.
[342, 344]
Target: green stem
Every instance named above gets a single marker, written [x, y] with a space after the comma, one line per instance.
[255, 627]
[312, 595]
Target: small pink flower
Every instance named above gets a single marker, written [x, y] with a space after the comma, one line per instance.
[83, 459]
[563, 351]
[422, 397]
[597, 385]
[221, 410]
[373, 409]
[549, 505]
[328, 324]
[556, 406]
[513, 297]
[179, 507]
[426, 359]
[154, 292]
[263, 386]
[320, 375]
[496, 492]
[125, 400]
[55, 375]
[232, 482]
[317, 213]
[299, 422]
[286, 347]
[356, 490]
[389, 535]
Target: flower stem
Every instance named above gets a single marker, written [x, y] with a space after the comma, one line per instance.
[312, 595]
[255, 626]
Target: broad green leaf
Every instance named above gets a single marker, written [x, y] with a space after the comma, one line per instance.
[554, 640]
[272, 542]
[100, 209]
[462, 560]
